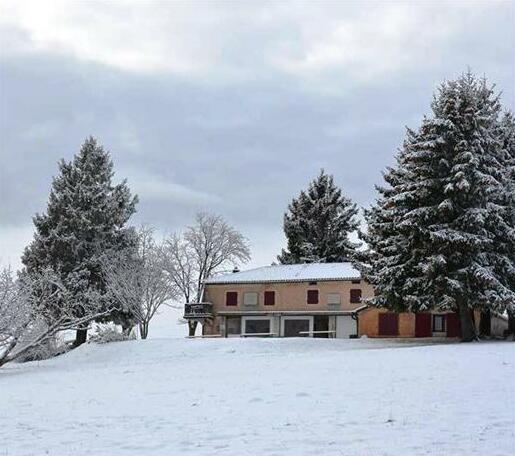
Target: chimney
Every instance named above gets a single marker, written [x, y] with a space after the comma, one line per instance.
[236, 269]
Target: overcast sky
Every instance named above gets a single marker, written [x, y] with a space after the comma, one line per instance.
[230, 107]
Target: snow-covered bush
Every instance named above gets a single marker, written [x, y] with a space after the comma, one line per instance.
[46, 349]
[34, 308]
[109, 333]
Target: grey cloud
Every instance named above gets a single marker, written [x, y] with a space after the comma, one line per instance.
[243, 146]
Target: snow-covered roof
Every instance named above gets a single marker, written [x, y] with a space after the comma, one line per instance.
[289, 273]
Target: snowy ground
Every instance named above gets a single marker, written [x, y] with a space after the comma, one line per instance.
[262, 397]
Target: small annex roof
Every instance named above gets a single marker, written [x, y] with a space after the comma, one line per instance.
[310, 272]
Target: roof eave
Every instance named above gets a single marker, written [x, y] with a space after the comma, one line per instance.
[248, 282]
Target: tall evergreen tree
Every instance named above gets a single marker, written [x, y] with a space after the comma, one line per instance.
[318, 223]
[433, 233]
[508, 142]
[86, 218]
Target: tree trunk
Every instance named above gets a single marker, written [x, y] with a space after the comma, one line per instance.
[143, 330]
[468, 329]
[126, 329]
[80, 336]
[192, 327]
[511, 323]
[485, 323]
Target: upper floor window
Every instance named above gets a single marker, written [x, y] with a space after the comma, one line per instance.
[334, 298]
[312, 297]
[355, 296]
[231, 298]
[356, 281]
[269, 298]
[250, 299]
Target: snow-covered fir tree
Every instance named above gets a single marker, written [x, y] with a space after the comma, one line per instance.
[85, 219]
[318, 223]
[508, 142]
[439, 235]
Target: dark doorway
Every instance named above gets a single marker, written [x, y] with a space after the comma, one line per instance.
[423, 325]
[321, 324]
[388, 324]
[293, 328]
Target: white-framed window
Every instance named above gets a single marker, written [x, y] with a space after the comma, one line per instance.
[334, 298]
[256, 325]
[438, 323]
[250, 298]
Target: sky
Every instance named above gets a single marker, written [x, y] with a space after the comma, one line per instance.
[230, 107]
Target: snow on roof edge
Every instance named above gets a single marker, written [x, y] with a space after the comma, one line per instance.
[289, 273]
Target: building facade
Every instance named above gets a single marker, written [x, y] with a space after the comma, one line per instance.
[310, 300]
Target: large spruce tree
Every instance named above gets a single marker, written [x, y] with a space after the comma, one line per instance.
[318, 223]
[508, 143]
[85, 219]
[440, 235]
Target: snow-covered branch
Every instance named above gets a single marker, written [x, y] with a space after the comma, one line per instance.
[34, 308]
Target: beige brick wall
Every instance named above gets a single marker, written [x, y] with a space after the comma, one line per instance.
[288, 296]
[368, 323]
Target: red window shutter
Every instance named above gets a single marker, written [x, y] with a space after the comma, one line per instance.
[423, 324]
[269, 298]
[355, 296]
[312, 296]
[231, 298]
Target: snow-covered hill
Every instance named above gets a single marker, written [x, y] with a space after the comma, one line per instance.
[262, 397]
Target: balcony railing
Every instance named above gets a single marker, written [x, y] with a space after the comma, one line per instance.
[194, 310]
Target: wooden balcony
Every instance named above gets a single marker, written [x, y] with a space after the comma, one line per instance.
[198, 310]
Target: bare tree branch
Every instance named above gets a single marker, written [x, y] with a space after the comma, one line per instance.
[205, 248]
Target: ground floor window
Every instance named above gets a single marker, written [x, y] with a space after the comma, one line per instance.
[321, 326]
[256, 325]
[438, 323]
[233, 326]
[297, 326]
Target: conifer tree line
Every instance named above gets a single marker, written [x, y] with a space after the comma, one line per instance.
[441, 235]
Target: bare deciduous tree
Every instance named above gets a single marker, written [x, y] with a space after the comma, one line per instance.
[138, 281]
[206, 247]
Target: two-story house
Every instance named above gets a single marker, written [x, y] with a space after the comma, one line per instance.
[319, 300]
[314, 300]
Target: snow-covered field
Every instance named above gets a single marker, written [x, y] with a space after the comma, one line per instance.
[262, 397]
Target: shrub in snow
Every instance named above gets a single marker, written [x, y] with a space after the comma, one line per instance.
[34, 308]
[109, 333]
[45, 350]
